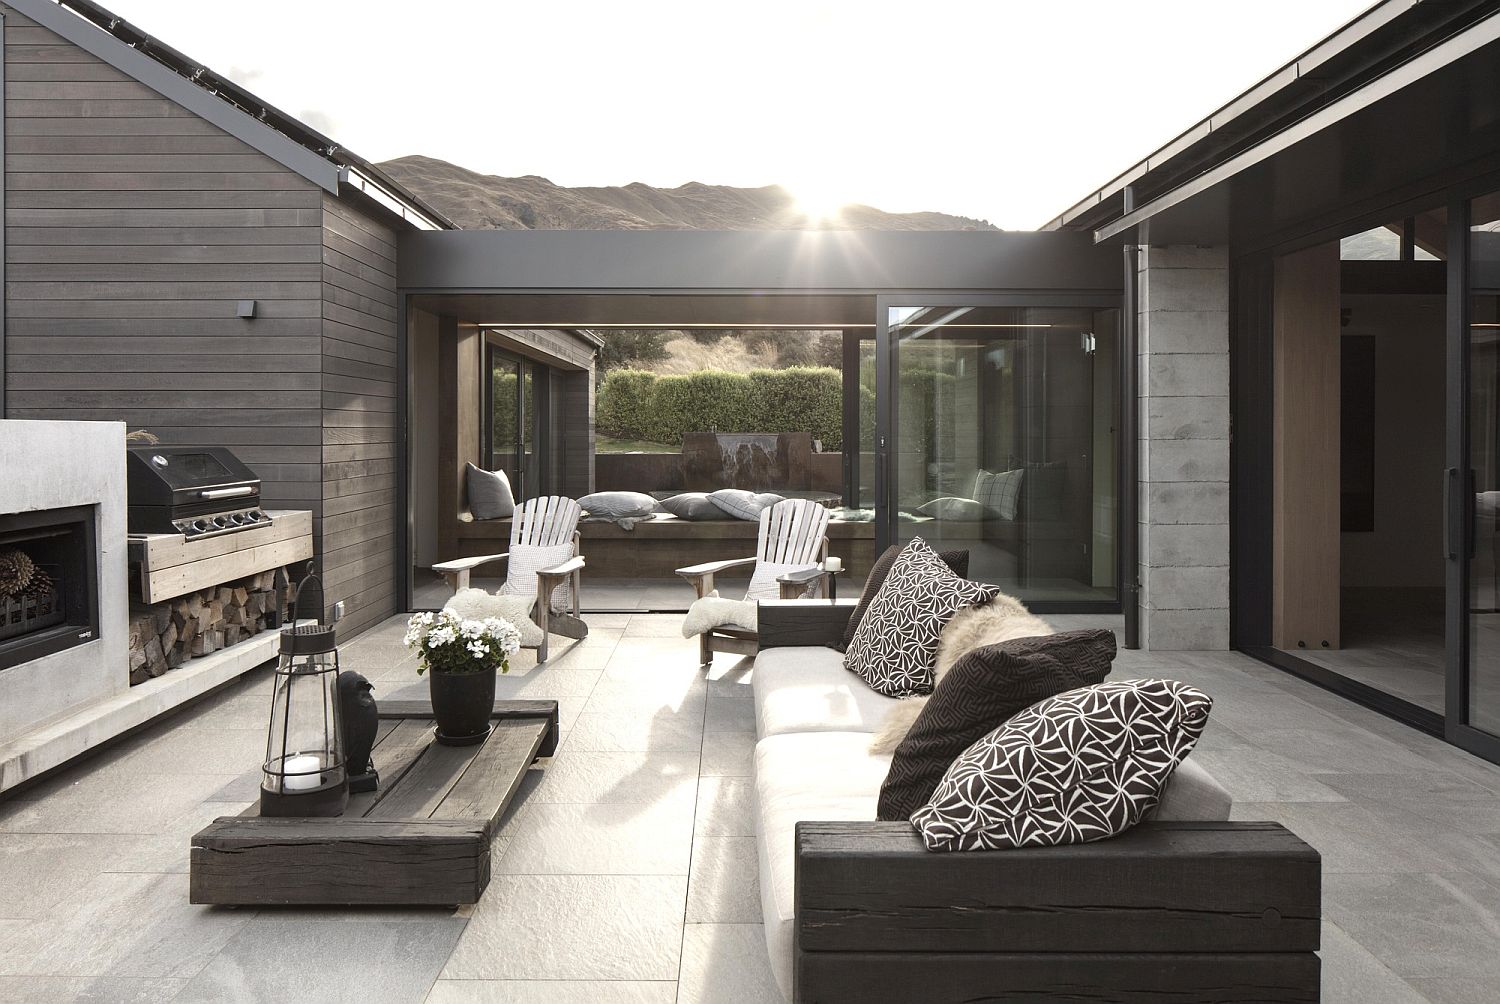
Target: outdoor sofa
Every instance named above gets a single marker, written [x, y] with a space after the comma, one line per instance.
[1186, 907]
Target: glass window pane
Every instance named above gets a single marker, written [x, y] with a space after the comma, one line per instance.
[1484, 462]
[1006, 428]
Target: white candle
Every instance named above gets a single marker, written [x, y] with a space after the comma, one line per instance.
[302, 773]
[834, 564]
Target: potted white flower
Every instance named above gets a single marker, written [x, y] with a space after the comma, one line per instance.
[463, 656]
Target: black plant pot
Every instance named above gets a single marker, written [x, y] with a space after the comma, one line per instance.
[461, 704]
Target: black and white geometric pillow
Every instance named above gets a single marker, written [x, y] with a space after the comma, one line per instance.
[895, 645]
[1081, 766]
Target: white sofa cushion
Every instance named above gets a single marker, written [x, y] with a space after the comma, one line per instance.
[807, 689]
[1193, 794]
[804, 776]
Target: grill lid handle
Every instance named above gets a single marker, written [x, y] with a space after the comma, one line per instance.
[227, 493]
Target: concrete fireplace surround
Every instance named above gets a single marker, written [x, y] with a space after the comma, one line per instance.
[51, 465]
[59, 706]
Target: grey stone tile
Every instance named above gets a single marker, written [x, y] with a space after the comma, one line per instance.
[40, 871]
[1254, 775]
[728, 754]
[1351, 975]
[1425, 802]
[628, 732]
[88, 989]
[602, 838]
[725, 807]
[135, 925]
[1350, 837]
[622, 696]
[579, 776]
[574, 927]
[112, 803]
[723, 887]
[168, 851]
[730, 716]
[1335, 749]
[354, 963]
[201, 751]
[1420, 925]
[546, 683]
[726, 964]
[1459, 990]
[552, 992]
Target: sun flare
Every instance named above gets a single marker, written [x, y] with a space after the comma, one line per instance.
[818, 200]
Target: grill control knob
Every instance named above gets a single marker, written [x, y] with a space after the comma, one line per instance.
[200, 526]
[221, 522]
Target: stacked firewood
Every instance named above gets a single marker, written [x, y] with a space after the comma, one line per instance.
[165, 635]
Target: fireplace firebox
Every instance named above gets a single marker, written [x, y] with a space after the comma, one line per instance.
[49, 583]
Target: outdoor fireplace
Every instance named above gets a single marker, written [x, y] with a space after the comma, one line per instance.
[49, 593]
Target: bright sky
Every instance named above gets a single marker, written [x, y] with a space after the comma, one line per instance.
[1009, 111]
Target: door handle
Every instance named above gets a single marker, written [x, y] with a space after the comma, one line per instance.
[1450, 524]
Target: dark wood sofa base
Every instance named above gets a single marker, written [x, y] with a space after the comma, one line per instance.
[1170, 911]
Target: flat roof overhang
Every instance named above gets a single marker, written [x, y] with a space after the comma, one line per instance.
[1430, 122]
[751, 265]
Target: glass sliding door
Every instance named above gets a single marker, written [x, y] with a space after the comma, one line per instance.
[1480, 707]
[1003, 440]
[515, 427]
[503, 428]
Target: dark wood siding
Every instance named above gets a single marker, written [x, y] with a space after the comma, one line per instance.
[360, 454]
[132, 230]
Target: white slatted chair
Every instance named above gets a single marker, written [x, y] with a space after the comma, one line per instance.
[543, 559]
[790, 553]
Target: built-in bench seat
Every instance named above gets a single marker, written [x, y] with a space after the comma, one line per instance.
[656, 548]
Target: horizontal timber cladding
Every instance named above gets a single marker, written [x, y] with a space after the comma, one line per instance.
[133, 230]
[360, 423]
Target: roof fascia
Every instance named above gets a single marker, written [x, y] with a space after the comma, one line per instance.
[1454, 49]
[169, 85]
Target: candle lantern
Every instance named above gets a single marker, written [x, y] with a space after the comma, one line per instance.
[305, 772]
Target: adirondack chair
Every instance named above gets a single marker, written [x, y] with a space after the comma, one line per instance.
[790, 553]
[542, 530]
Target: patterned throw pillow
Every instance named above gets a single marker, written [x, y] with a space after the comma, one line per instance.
[956, 560]
[1000, 494]
[1081, 766]
[983, 689]
[895, 644]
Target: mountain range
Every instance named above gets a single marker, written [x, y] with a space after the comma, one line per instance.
[487, 202]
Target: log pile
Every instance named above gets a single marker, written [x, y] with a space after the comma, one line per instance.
[165, 635]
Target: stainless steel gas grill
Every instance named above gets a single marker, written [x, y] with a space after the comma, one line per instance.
[195, 491]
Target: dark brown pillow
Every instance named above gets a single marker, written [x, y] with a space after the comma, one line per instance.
[983, 689]
[956, 560]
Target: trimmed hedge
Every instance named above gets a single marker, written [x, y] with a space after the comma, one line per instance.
[633, 404]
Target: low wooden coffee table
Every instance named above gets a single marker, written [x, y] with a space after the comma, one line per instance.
[421, 839]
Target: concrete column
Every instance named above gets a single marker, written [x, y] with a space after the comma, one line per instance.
[1184, 449]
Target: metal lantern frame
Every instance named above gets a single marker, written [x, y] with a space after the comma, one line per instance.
[305, 693]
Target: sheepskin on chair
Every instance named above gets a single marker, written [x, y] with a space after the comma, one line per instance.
[477, 604]
[1002, 619]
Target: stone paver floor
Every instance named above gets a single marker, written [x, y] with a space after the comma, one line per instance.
[626, 871]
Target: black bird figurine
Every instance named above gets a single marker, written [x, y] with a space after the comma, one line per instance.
[361, 719]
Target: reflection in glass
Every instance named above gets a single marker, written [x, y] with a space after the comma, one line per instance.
[1005, 443]
[1484, 461]
[504, 426]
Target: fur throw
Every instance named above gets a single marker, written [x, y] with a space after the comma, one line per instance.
[714, 611]
[1002, 619]
[477, 604]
